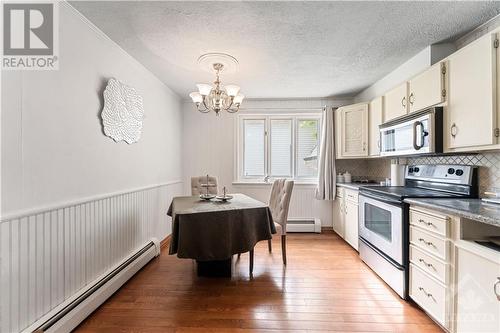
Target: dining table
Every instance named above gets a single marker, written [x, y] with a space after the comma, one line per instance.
[212, 231]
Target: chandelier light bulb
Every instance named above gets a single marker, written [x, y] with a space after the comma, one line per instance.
[204, 89]
[238, 99]
[232, 90]
[196, 97]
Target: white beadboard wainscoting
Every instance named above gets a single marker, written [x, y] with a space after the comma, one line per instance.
[47, 255]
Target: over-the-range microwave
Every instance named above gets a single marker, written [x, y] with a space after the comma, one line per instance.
[417, 133]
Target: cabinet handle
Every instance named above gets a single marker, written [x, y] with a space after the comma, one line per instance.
[364, 146]
[495, 288]
[426, 263]
[426, 242]
[403, 102]
[426, 223]
[425, 293]
[411, 98]
[453, 130]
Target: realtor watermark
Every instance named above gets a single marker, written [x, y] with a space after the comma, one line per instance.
[30, 35]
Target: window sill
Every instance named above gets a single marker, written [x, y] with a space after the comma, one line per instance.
[261, 183]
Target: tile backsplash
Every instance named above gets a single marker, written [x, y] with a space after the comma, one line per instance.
[379, 168]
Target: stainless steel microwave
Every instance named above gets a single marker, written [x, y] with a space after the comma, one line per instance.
[417, 133]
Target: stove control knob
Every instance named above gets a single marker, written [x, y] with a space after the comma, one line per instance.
[416, 169]
[410, 170]
[451, 171]
[459, 172]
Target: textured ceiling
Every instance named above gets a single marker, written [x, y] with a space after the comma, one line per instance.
[285, 49]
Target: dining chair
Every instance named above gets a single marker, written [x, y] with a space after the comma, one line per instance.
[197, 188]
[279, 202]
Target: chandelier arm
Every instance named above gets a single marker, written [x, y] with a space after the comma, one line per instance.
[206, 110]
[205, 103]
[234, 110]
[231, 104]
[203, 110]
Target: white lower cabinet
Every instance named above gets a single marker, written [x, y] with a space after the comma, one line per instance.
[339, 212]
[429, 293]
[351, 218]
[477, 292]
[345, 215]
[454, 280]
[429, 264]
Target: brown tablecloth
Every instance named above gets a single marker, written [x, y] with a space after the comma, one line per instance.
[214, 230]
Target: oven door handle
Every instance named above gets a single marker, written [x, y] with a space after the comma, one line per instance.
[383, 199]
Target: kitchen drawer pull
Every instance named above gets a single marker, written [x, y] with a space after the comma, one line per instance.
[426, 263]
[425, 293]
[426, 242]
[403, 102]
[427, 223]
[495, 288]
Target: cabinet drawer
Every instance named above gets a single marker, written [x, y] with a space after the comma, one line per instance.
[428, 293]
[429, 264]
[429, 222]
[340, 192]
[429, 243]
[351, 195]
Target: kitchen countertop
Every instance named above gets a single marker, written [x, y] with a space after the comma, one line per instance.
[356, 186]
[473, 209]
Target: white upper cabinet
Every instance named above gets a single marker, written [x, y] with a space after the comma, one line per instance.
[352, 131]
[375, 118]
[428, 88]
[396, 102]
[471, 113]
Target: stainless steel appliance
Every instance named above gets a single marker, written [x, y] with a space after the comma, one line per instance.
[418, 133]
[384, 216]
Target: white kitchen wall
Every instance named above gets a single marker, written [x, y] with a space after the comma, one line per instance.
[53, 147]
[209, 147]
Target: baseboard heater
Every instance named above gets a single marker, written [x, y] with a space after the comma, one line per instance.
[303, 225]
[73, 311]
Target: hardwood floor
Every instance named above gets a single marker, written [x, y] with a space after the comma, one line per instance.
[325, 287]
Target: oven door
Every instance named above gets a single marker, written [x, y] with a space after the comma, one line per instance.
[381, 225]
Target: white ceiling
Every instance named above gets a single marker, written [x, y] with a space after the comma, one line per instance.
[285, 49]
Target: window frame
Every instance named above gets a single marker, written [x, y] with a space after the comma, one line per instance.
[239, 175]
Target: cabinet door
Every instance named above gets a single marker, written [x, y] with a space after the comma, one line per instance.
[427, 89]
[375, 118]
[354, 129]
[396, 102]
[339, 216]
[351, 224]
[471, 108]
[477, 296]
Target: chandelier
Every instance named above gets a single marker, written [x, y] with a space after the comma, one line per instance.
[216, 97]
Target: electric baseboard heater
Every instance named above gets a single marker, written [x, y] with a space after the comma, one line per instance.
[303, 225]
[73, 311]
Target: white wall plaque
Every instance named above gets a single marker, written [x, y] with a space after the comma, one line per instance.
[123, 112]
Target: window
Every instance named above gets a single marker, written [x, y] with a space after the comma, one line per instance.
[254, 147]
[278, 147]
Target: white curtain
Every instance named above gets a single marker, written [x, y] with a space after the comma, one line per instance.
[326, 168]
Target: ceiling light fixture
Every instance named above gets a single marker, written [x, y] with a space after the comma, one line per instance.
[216, 97]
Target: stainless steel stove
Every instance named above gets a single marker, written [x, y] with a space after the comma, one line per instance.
[384, 216]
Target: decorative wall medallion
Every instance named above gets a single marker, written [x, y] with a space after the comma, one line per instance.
[123, 112]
